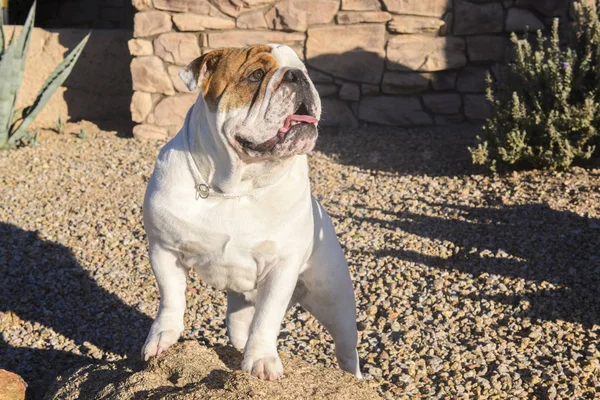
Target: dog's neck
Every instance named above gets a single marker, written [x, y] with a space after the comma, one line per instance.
[219, 165]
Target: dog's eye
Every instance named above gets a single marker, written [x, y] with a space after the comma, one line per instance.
[257, 75]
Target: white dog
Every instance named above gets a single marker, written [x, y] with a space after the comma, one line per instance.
[230, 199]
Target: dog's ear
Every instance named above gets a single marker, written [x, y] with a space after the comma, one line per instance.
[195, 73]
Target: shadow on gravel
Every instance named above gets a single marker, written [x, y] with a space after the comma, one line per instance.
[42, 282]
[432, 151]
[546, 245]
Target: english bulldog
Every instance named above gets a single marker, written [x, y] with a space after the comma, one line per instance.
[230, 199]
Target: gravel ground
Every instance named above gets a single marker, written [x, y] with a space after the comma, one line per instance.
[468, 285]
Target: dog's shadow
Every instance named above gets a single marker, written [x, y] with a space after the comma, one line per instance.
[41, 282]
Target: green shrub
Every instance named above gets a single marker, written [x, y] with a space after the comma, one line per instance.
[13, 122]
[546, 103]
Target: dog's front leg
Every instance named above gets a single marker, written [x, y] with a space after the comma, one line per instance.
[273, 296]
[168, 325]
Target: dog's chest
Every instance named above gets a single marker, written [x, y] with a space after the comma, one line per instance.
[234, 247]
[229, 262]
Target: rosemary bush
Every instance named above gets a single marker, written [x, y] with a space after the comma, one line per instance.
[546, 103]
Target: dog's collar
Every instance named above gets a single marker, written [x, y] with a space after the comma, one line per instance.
[203, 190]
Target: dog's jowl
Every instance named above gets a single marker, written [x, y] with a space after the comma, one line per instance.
[230, 198]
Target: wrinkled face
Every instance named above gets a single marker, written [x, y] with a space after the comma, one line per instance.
[261, 98]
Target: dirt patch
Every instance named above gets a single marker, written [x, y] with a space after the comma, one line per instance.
[190, 371]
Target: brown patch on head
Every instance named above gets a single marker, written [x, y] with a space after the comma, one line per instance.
[225, 76]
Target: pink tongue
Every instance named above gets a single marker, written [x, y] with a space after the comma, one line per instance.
[302, 118]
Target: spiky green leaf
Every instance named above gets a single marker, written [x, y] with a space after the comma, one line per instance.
[58, 76]
[1, 33]
[12, 66]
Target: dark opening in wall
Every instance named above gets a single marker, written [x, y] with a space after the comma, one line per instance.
[94, 14]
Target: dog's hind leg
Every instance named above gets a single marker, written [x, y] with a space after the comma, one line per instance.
[325, 290]
[332, 304]
[239, 318]
[168, 325]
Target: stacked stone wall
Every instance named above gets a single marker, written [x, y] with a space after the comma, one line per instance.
[392, 62]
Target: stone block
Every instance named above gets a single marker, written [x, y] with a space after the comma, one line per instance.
[353, 52]
[404, 82]
[141, 105]
[393, 110]
[195, 22]
[149, 23]
[149, 75]
[414, 24]
[177, 48]
[425, 53]
[472, 19]
[140, 47]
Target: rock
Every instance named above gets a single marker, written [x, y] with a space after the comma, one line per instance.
[442, 103]
[392, 110]
[142, 5]
[234, 8]
[141, 105]
[351, 17]
[546, 7]
[446, 29]
[194, 22]
[411, 24]
[472, 18]
[252, 20]
[319, 11]
[404, 82]
[350, 91]
[12, 386]
[368, 89]
[449, 119]
[190, 371]
[472, 79]
[336, 113]
[148, 23]
[428, 8]
[519, 20]
[361, 5]
[149, 75]
[326, 89]
[353, 52]
[425, 53]
[173, 109]
[196, 6]
[244, 38]
[287, 16]
[445, 80]
[477, 107]
[486, 48]
[231, 8]
[177, 48]
[147, 132]
[140, 47]
[318, 76]
[295, 15]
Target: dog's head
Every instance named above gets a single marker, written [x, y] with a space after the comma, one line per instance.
[260, 99]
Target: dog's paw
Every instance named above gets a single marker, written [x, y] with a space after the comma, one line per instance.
[268, 368]
[158, 342]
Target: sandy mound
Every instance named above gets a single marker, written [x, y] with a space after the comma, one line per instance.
[190, 371]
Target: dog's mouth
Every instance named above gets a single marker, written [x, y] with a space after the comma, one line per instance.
[301, 119]
[300, 116]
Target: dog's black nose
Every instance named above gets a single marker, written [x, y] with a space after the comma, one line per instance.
[292, 75]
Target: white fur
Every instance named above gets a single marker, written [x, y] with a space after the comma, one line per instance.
[268, 249]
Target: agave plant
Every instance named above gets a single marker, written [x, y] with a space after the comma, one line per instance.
[14, 123]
